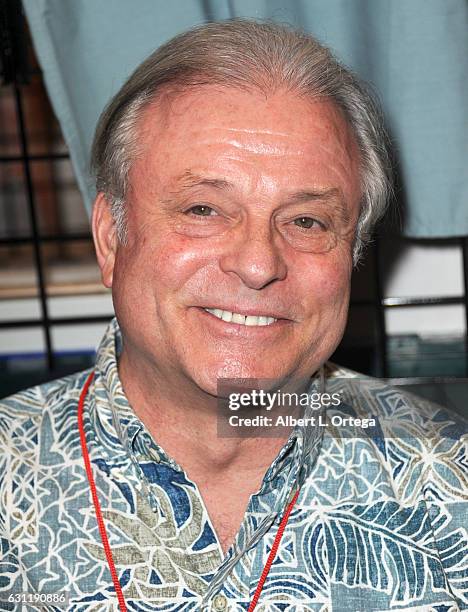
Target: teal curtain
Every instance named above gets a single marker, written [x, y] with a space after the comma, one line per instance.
[414, 52]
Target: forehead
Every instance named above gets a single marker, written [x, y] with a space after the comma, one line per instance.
[219, 129]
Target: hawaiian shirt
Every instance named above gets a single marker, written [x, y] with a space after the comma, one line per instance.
[380, 522]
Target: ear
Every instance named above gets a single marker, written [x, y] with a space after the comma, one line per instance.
[105, 238]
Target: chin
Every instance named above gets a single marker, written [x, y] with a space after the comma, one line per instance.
[234, 369]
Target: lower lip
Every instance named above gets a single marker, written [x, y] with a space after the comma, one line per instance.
[238, 329]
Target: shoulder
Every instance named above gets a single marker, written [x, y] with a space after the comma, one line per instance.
[21, 414]
[397, 409]
[422, 447]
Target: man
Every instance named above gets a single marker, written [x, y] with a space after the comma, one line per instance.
[239, 171]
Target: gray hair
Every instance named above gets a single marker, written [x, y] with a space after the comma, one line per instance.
[249, 55]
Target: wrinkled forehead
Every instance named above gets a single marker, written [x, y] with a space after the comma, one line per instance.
[211, 123]
[250, 107]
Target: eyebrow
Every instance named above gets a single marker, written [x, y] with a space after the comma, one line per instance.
[188, 180]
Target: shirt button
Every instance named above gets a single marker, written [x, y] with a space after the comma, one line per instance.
[219, 603]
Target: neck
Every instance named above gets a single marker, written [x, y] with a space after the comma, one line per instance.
[183, 420]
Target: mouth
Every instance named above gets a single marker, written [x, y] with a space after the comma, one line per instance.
[249, 320]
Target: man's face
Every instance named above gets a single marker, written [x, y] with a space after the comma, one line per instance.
[245, 204]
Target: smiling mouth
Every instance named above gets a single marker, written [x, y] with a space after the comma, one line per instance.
[240, 319]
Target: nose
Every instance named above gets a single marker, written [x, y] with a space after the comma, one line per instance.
[254, 257]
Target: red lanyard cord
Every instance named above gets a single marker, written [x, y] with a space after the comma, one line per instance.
[92, 485]
[102, 528]
[273, 551]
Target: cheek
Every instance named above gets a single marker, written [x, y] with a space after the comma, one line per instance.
[178, 260]
[336, 283]
[327, 284]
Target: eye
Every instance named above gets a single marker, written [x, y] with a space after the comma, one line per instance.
[201, 210]
[307, 222]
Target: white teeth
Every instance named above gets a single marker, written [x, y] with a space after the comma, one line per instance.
[235, 317]
[226, 316]
[251, 320]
